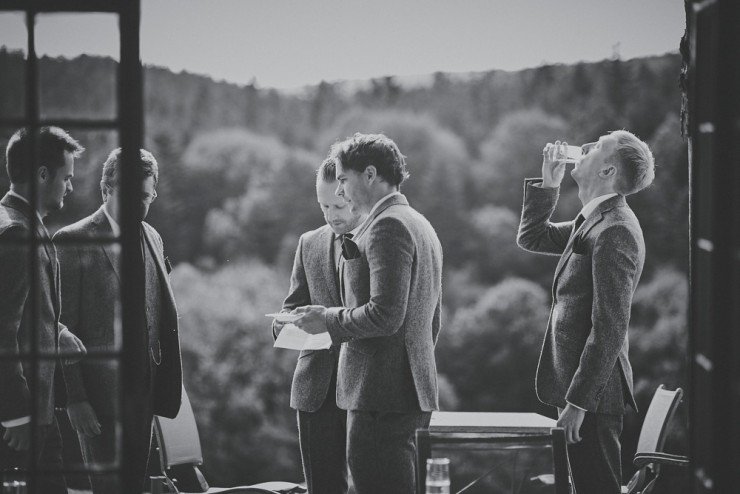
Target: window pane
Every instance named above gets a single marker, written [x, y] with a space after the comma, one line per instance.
[13, 45]
[85, 198]
[510, 469]
[77, 65]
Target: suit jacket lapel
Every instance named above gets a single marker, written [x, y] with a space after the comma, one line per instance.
[102, 225]
[590, 222]
[161, 269]
[330, 268]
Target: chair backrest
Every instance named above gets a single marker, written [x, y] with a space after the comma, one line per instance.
[179, 442]
[662, 408]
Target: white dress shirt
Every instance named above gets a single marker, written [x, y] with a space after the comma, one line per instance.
[589, 208]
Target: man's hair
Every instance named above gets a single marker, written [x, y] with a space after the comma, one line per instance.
[51, 144]
[327, 172]
[362, 150]
[147, 167]
[635, 163]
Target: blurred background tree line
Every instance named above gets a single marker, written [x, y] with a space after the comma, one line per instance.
[237, 189]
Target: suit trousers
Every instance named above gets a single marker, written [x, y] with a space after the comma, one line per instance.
[323, 438]
[104, 450]
[381, 450]
[596, 462]
[48, 459]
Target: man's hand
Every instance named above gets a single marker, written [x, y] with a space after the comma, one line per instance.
[83, 418]
[553, 164]
[277, 326]
[18, 437]
[313, 320]
[71, 347]
[571, 419]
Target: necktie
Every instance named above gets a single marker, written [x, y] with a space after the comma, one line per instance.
[342, 237]
[349, 248]
[579, 221]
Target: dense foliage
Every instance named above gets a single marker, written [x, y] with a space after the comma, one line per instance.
[236, 191]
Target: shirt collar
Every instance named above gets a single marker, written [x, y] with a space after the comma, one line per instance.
[113, 223]
[18, 196]
[375, 207]
[589, 208]
[382, 200]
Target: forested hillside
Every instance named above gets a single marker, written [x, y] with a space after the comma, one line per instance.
[237, 189]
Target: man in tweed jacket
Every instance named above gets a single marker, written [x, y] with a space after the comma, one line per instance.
[322, 425]
[91, 290]
[584, 368]
[392, 289]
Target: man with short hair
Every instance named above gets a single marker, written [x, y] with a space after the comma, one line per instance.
[24, 323]
[392, 292]
[322, 425]
[91, 291]
[584, 368]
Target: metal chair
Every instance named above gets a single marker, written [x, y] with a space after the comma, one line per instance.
[650, 456]
[179, 450]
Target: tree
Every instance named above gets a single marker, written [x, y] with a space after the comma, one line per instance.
[219, 166]
[490, 350]
[282, 203]
[494, 253]
[238, 383]
[512, 152]
[663, 208]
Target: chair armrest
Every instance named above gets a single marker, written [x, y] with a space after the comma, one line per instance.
[642, 459]
[544, 479]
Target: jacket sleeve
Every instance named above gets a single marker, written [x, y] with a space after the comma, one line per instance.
[15, 276]
[536, 232]
[390, 256]
[298, 293]
[616, 267]
[70, 264]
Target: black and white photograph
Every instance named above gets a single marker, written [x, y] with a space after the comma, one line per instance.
[370, 247]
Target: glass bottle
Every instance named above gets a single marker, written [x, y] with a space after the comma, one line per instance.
[438, 476]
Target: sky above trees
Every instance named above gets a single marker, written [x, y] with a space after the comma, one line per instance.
[287, 44]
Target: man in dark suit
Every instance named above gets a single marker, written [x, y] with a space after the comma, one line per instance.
[322, 425]
[91, 305]
[55, 152]
[584, 368]
[392, 288]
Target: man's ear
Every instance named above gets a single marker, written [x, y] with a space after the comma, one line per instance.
[42, 173]
[371, 173]
[609, 171]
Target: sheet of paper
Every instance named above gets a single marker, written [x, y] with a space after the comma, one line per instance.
[284, 316]
[293, 338]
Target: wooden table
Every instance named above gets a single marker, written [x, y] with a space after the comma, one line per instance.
[493, 430]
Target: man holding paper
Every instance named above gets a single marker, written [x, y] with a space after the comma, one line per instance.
[322, 425]
[392, 288]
